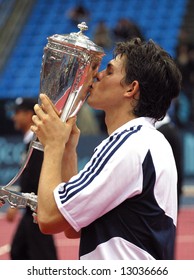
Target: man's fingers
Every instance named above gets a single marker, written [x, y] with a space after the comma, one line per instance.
[53, 106]
[69, 125]
[39, 112]
[71, 121]
[47, 104]
[36, 120]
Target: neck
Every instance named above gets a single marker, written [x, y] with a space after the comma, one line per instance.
[116, 120]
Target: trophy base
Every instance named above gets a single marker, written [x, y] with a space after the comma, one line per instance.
[37, 145]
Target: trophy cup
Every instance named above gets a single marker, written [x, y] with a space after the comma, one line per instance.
[69, 64]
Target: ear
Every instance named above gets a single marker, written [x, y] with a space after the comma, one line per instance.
[132, 89]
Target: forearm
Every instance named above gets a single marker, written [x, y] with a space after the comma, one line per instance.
[49, 217]
[69, 169]
[71, 233]
[69, 165]
[56, 137]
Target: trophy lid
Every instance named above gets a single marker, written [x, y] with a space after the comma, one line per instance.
[77, 40]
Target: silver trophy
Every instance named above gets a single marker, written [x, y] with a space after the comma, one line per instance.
[69, 64]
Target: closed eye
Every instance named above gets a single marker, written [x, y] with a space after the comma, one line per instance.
[109, 69]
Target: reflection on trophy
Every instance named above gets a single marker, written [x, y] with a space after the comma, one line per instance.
[69, 64]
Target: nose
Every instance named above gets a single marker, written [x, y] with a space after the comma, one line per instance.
[99, 75]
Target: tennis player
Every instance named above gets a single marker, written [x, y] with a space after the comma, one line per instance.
[124, 201]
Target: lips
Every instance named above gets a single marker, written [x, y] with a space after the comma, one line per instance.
[90, 87]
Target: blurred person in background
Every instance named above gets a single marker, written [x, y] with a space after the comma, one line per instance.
[102, 35]
[172, 133]
[28, 242]
[78, 14]
[87, 121]
[185, 62]
[125, 30]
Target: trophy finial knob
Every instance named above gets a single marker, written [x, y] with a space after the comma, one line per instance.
[82, 26]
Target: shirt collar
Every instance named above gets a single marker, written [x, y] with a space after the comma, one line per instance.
[145, 121]
[165, 120]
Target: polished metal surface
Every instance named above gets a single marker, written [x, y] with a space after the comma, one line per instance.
[19, 200]
[68, 66]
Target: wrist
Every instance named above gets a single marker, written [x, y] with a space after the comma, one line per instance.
[53, 152]
[69, 154]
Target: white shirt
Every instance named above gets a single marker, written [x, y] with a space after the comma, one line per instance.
[124, 199]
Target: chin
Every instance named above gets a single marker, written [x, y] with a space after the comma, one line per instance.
[94, 106]
[90, 102]
[93, 102]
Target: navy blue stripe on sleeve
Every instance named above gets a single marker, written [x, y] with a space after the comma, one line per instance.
[97, 165]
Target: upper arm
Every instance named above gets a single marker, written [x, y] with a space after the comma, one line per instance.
[99, 187]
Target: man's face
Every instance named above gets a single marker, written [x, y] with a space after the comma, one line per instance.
[22, 119]
[107, 91]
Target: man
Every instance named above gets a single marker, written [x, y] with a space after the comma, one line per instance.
[28, 242]
[124, 202]
[173, 135]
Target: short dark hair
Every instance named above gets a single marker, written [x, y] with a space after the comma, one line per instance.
[24, 104]
[157, 73]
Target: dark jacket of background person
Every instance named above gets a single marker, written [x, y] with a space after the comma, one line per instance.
[28, 242]
[172, 134]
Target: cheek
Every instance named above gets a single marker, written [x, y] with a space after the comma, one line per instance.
[16, 119]
[114, 88]
[105, 86]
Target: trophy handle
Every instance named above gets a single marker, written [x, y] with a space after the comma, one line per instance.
[15, 178]
[17, 199]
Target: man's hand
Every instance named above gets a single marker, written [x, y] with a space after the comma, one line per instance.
[49, 128]
[73, 138]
